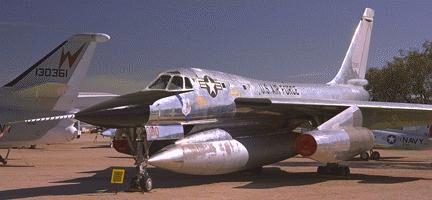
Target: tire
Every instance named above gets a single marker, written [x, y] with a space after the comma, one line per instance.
[148, 184]
[364, 156]
[375, 155]
[144, 184]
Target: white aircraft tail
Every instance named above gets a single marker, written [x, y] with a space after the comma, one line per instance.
[353, 67]
[59, 73]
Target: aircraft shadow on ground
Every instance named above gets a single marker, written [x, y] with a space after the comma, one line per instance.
[382, 164]
[8, 165]
[120, 157]
[101, 146]
[272, 177]
[11, 163]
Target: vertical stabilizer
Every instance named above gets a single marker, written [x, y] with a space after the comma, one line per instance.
[61, 64]
[54, 80]
[353, 67]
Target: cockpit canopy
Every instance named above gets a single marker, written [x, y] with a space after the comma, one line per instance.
[172, 81]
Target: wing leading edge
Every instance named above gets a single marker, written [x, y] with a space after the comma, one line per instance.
[376, 115]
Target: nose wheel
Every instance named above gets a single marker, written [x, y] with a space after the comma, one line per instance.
[142, 181]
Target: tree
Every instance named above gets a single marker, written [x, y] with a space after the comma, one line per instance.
[407, 78]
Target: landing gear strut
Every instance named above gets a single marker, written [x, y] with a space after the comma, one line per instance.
[374, 155]
[4, 160]
[334, 169]
[142, 181]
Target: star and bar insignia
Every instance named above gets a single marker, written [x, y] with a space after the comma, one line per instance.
[212, 85]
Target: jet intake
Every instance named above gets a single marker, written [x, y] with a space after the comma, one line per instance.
[333, 146]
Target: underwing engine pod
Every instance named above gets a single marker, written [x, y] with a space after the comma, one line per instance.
[340, 138]
[206, 153]
[215, 151]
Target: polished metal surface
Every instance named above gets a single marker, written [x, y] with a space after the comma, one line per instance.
[333, 146]
[206, 136]
[204, 158]
[340, 138]
[216, 152]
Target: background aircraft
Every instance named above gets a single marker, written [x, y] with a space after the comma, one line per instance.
[49, 87]
[407, 138]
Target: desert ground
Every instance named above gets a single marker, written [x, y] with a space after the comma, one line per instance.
[82, 169]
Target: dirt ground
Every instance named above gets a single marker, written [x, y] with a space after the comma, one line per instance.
[82, 170]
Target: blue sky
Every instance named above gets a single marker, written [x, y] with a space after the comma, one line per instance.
[279, 40]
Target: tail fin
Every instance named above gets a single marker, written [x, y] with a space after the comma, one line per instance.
[59, 65]
[59, 73]
[353, 67]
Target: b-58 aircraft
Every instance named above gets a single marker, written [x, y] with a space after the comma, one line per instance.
[204, 122]
[48, 88]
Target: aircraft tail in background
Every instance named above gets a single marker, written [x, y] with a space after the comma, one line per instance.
[58, 74]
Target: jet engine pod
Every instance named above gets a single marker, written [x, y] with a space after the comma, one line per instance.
[215, 151]
[204, 158]
[332, 146]
[209, 152]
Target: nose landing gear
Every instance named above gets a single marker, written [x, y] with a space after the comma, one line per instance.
[142, 181]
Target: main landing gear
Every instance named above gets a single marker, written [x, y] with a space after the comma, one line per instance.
[4, 160]
[142, 181]
[334, 169]
[374, 155]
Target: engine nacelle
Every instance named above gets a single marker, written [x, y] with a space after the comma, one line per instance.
[332, 146]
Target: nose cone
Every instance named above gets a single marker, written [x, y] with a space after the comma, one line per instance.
[130, 110]
[114, 115]
[170, 159]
